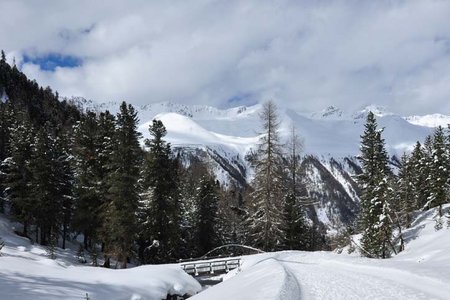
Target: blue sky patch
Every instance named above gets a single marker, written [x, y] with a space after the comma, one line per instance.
[240, 98]
[49, 62]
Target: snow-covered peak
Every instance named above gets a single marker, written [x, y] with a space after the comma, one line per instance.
[377, 110]
[330, 113]
[433, 120]
[330, 132]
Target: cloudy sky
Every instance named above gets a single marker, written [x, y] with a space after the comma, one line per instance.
[304, 54]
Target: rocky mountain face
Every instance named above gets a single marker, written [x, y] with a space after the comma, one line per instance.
[224, 138]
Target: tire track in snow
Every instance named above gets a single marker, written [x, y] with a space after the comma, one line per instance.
[330, 280]
[291, 289]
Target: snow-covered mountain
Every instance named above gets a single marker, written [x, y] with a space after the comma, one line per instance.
[331, 132]
[433, 120]
[224, 137]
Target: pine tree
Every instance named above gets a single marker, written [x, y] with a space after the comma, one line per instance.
[64, 179]
[7, 125]
[189, 178]
[297, 230]
[296, 227]
[105, 148]
[266, 218]
[86, 149]
[17, 174]
[405, 192]
[45, 185]
[232, 216]
[419, 176]
[426, 165]
[375, 211]
[124, 189]
[160, 207]
[207, 230]
[440, 174]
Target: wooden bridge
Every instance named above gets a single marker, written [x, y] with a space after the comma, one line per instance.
[223, 263]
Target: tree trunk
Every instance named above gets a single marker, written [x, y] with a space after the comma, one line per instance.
[64, 235]
[25, 228]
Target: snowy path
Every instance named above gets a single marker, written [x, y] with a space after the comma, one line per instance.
[333, 279]
[322, 275]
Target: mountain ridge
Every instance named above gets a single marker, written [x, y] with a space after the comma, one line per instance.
[223, 138]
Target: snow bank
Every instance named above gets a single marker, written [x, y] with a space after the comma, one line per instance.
[26, 273]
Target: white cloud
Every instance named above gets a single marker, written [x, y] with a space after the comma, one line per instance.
[305, 54]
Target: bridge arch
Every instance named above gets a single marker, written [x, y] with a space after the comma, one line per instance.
[244, 249]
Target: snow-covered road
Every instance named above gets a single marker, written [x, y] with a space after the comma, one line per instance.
[324, 275]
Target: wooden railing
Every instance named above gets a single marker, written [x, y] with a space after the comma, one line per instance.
[212, 267]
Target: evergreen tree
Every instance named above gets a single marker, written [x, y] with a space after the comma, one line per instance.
[189, 178]
[232, 216]
[417, 162]
[17, 174]
[45, 185]
[266, 218]
[297, 230]
[374, 218]
[295, 200]
[405, 192]
[124, 188]
[7, 124]
[105, 143]
[207, 228]
[440, 173]
[426, 165]
[64, 179]
[87, 163]
[160, 207]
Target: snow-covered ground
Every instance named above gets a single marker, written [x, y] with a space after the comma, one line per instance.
[27, 273]
[422, 271]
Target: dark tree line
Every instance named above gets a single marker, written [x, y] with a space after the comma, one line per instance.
[388, 201]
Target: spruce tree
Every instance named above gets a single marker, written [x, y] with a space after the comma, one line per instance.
[296, 228]
[375, 211]
[160, 202]
[86, 149]
[124, 189]
[17, 173]
[419, 176]
[266, 208]
[189, 178]
[207, 229]
[64, 179]
[105, 143]
[405, 193]
[7, 125]
[440, 173]
[45, 185]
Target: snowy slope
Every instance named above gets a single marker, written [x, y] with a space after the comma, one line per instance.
[27, 273]
[422, 271]
[331, 132]
[433, 120]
